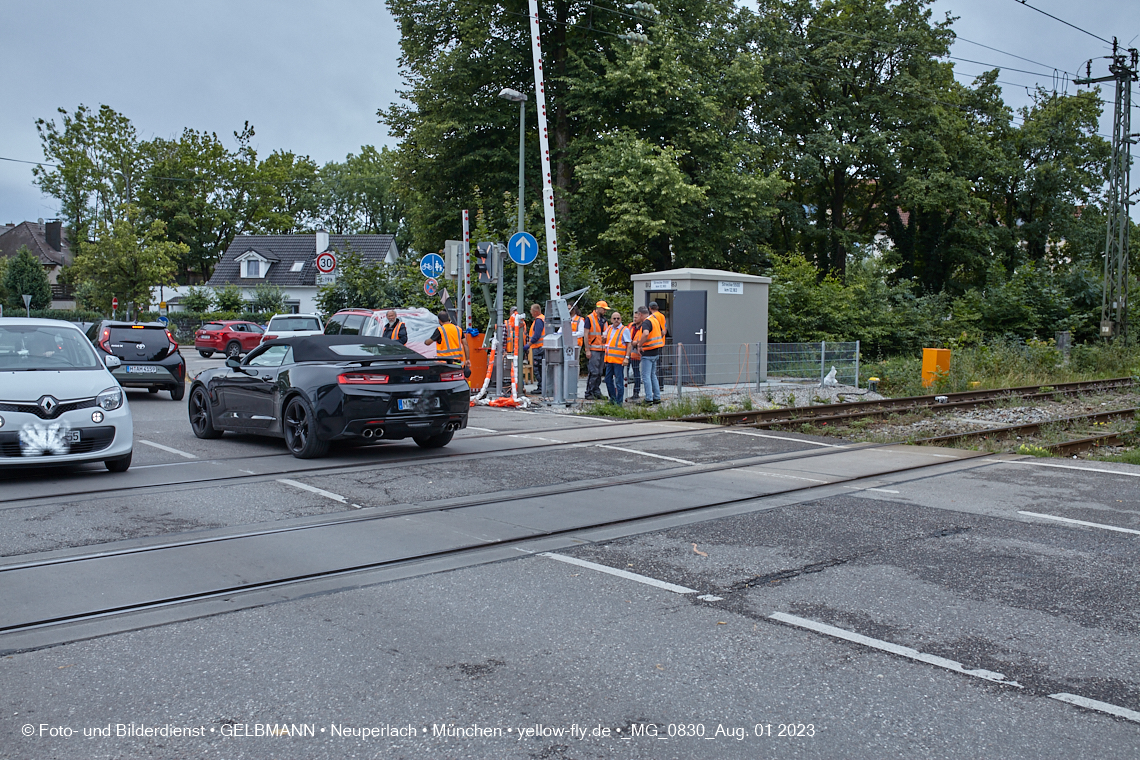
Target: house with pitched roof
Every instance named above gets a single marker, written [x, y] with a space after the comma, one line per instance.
[49, 242]
[290, 263]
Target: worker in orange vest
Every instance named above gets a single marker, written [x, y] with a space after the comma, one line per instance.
[655, 313]
[595, 350]
[394, 329]
[635, 356]
[452, 347]
[650, 342]
[534, 344]
[617, 356]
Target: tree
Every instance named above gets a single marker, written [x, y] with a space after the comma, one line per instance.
[229, 298]
[268, 299]
[25, 275]
[360, 196]
[198, 299]
[127, 260]
[98, 166]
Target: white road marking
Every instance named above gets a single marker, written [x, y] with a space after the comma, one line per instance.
[483, 430]
[167, 449]
[167, 464]
[620, 573]
[537, 438]
[1063, 466]
[750, 471]
[710, 598]
[317, 491]
[880, 490]
[643, 453]
[886, 646]
[944, 456]
[786, 438]
[1093, 704]
[1081, 522]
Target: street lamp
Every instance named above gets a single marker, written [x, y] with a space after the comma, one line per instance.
[517, 97]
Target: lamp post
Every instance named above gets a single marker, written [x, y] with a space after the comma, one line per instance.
[517, 97]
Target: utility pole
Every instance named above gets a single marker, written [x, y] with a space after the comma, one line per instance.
[1114, 304]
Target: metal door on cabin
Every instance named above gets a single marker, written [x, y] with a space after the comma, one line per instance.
[689, 329]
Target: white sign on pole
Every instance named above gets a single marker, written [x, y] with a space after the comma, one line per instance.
[326, 279]
[730, 288]
[662, 285]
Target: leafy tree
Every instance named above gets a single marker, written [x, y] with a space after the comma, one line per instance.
[127, 260]
[360, 196]
[3, 277]
[24, 275]
[98, 167]
[268, 299]
[198, 299]
[229, 298]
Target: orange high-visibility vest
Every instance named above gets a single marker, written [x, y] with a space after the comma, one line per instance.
[594, 333]
[634, 339]
[659, 318]
[533, 339]
[615, 345]
[396, 327]
[656, 337]
[508, 336]
[450, 346]
[574, 322]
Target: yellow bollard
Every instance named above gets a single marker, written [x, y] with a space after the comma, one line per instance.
[935, 362]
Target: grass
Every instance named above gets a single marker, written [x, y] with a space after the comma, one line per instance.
[1005, 365]
[1126, 457]
[683, 407]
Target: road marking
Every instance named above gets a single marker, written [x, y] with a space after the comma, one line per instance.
[166, 464]
[750, 471]
[643, 453]
[1093, 704]
[1064, 467]
[886, 646]
[167, 449]
[317, 491]
[483, 430]
[537, 438]
[880, 490]
[786, 438]
[710, 598]
[1081, 522]
[620, 573]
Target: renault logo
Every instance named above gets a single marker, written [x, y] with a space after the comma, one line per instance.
[48, 404]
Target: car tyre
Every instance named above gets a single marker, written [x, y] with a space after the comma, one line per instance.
[200, 421]
[178, 392]
[205, 354]
[301, 430]
[434, 441]
[233, 349]
[119, 464]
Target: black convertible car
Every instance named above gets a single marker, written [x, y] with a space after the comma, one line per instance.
[322, 388]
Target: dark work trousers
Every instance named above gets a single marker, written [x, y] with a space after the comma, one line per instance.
[537, 355]
[635, 365]
[594, 369]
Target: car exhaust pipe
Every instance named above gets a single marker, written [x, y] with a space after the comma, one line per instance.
[373, 432]
[367, 432]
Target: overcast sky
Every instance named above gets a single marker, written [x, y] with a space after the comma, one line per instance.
[311, 76]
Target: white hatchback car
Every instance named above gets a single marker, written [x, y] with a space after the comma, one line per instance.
[293, 326]
[59, 404]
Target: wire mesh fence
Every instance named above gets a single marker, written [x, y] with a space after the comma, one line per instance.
[813, 361]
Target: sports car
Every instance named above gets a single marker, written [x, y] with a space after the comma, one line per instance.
[317, 389]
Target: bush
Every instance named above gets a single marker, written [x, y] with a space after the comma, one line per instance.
[268, 299]
[198, 299]
[25, 275]
[229, 299]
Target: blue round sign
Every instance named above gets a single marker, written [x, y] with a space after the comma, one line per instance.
[164, 321]
[432, 265]
[522, 248]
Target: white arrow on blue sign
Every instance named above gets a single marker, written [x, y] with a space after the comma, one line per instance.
[432, 265]
[522, 248]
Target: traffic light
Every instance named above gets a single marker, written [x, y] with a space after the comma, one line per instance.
[485, 263]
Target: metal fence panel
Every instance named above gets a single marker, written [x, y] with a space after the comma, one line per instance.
[812, 361]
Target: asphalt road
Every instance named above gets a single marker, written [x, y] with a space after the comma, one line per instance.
[970, 608]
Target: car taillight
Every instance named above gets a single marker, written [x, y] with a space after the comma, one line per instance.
[362, 378]
[173, 342]
[104, 342]
[268, 337]
[448, 377]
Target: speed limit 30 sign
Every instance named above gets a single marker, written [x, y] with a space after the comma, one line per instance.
[326, 262]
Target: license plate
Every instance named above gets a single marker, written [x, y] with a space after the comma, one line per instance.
[412, 404]
[71, 436]
[143, 368]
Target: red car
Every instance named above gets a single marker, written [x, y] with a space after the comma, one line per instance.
[231, 337]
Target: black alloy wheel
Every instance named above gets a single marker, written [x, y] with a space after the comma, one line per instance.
[233, 349]
[434, 441]
[205, 354]
[200, 421]
[301, 430]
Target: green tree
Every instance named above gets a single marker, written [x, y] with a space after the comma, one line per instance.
[268, 299]
[24, 275]
[127, 260]
[360, 196]
[229, 298]
[198, 299]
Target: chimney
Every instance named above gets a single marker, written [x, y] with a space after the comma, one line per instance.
[322, 240]
[53, 233]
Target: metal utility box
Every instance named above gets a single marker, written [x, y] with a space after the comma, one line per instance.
[720, 317]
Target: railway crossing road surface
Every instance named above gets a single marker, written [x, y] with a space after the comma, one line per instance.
[569, 587]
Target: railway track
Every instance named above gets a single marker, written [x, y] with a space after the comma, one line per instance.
[946, 402]
[1065, 447]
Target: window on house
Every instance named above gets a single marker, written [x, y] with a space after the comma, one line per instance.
[298, 266]
[252, 268]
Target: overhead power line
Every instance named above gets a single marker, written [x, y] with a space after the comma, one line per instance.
[1063, 21]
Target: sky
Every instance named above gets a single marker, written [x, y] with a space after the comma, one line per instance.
[310, 76]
